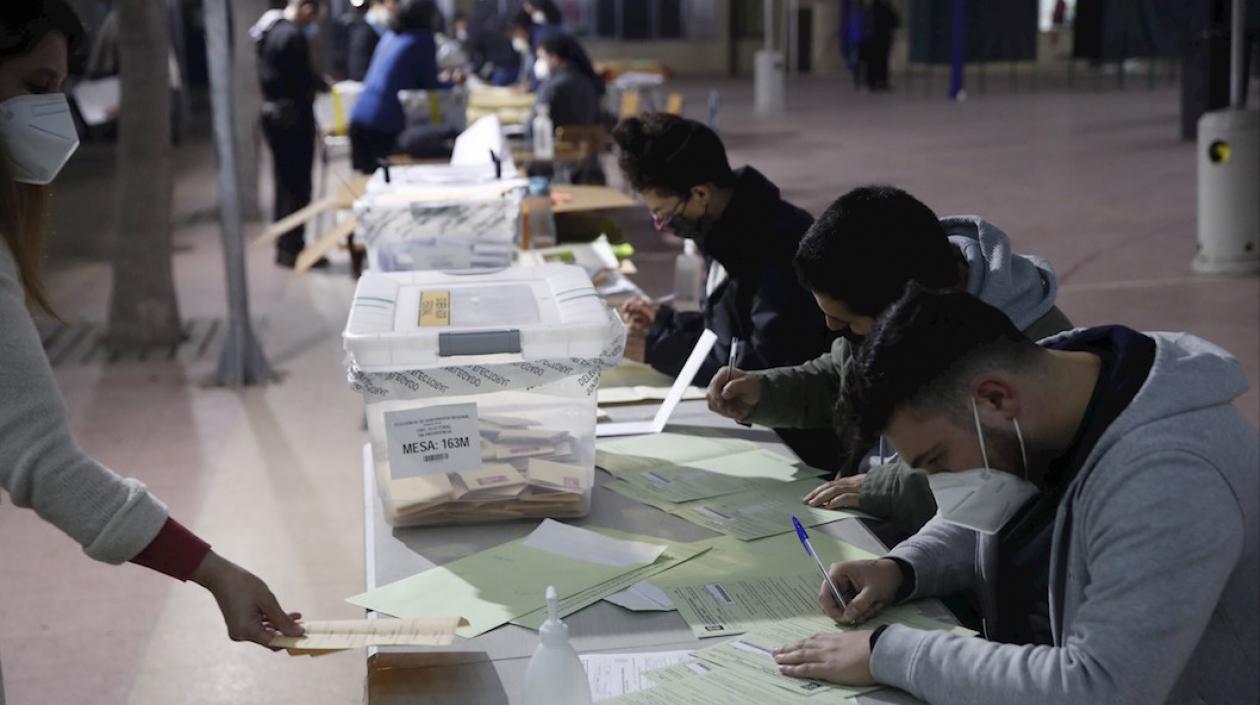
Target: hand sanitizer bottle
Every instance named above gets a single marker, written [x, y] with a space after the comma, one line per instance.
[689, 276]
[544, 133]
[555, 675]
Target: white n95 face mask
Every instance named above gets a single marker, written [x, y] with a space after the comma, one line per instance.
[37, 135]
[982, 499]
[542, 70]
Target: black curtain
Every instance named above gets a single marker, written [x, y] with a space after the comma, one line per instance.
[993, 30]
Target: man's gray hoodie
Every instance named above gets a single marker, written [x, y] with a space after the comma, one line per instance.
[1154, 569]
[1021, 286]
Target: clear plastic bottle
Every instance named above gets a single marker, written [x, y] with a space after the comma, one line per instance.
[689, 278]
[544, 133]
[539, 221]
[555, 675]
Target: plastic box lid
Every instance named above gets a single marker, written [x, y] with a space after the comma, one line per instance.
[438, 175]
[417, 320]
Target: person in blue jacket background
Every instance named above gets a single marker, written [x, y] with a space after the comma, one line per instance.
[405, 58]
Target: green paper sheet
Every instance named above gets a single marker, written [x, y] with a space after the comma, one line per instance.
[733, 559]
[725, 686]
[629, 491]
[741, 585]
[713, 477]
[764, 511]
[475, 587]
[634, 374]
[635, 453]
[752, 656]
[723, 607]
[742, 671]
[675, 555]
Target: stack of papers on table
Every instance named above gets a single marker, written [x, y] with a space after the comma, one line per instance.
[585, 566]
[765, 510]
[339, 635]
[676, 468]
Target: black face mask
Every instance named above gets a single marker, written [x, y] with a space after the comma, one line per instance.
[696, 230]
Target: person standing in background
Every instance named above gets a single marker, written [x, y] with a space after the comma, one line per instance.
[289, 83]
[883, 22]
[406, 58]
[542, 20]
[546, 19]
[569, 84]
[360, 28]
[1057, 20]
[852, 50]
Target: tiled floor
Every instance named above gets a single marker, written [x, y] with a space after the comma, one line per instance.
[1094, 180]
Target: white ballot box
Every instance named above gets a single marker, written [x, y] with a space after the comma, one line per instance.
[480, 390]
[448, 226]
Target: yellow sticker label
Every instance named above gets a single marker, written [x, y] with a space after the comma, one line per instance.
[435, 308]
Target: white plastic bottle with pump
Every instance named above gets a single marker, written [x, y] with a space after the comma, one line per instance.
[689, 278]
[544, 133]
[555, 675]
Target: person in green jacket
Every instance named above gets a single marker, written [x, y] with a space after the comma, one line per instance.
[856, 260]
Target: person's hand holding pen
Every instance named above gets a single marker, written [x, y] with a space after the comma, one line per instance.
[732, 392]
[869, 585]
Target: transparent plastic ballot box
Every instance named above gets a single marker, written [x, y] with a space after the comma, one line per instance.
[440, 227]
[480, 390]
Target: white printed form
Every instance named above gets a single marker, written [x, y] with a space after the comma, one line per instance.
[433, 440]
[611, 675]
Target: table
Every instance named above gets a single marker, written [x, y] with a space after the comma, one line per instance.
[490, 669]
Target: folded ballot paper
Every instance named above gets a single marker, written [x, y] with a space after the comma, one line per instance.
[584, 565]
[339, 635]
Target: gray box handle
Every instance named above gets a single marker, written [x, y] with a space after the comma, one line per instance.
[482, 342]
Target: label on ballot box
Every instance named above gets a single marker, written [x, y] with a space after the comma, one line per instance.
[433, 440]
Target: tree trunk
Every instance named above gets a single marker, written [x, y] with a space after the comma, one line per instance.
[242, 361]
[248, 103]
[143, 308]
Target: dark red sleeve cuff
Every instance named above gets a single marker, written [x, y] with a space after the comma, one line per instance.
[175, 551]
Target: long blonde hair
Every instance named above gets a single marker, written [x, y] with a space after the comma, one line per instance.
[24, 227]
[23, 207]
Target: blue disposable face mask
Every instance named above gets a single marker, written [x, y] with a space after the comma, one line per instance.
[311, 31]
[982, 499]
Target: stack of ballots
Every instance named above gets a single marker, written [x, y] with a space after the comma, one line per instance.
[462, 215]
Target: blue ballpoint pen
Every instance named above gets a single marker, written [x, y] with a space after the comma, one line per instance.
[809, 548]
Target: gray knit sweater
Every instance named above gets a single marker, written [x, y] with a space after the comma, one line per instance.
[113, 518]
